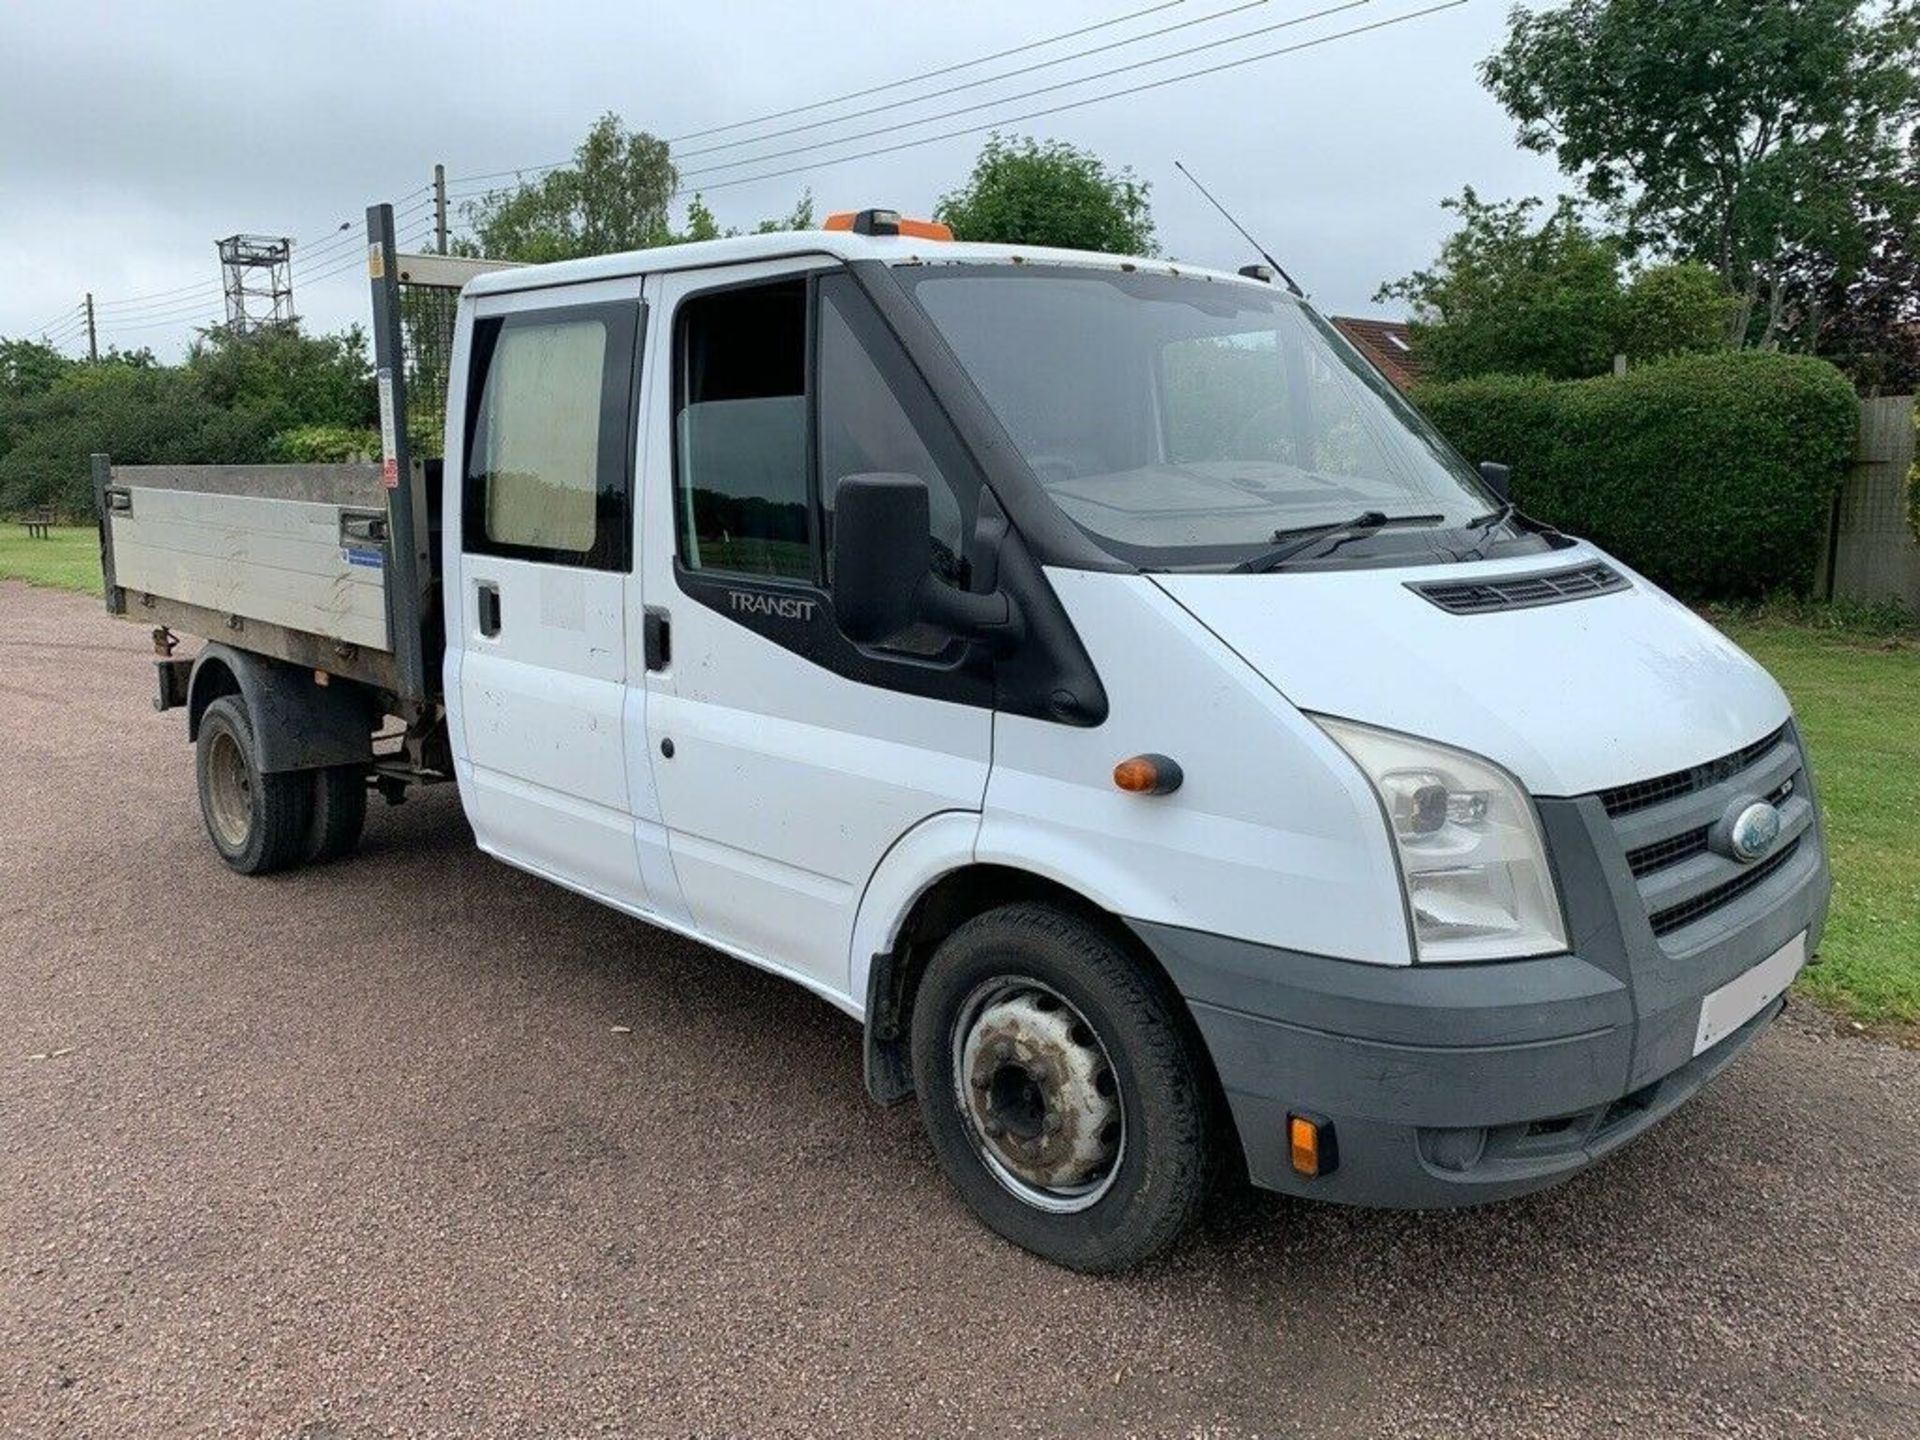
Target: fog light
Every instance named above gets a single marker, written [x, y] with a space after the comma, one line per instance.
[1456, 1150]
[1311, 1144]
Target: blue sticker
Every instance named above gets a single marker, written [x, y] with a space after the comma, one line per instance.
[370, 558]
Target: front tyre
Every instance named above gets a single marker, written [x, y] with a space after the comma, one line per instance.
[257, 822]
[1063, 1088]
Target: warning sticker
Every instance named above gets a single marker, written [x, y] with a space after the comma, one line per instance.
[389, 445]
[376, 261]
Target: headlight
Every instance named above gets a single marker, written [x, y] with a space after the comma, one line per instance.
[1471, 856]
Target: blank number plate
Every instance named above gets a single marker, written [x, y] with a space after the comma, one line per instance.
[1743, 997]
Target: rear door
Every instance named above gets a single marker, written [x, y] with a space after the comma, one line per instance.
[537, 624]
[787, 760]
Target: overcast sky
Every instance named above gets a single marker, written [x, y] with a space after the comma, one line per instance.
[133, 135]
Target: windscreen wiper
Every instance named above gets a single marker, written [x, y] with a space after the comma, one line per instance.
[1298, 542]
[1493, 520]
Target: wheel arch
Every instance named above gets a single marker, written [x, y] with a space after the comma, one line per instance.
[298, 723]
[947, 900]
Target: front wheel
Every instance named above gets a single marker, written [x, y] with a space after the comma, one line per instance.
[1063, 1087]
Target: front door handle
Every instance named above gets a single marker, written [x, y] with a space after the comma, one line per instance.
[489, 596]
[656, 635]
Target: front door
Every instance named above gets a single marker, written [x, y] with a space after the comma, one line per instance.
[537, 630]
[786, 759]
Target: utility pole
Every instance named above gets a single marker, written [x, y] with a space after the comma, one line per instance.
[93, 344]
[440, 208]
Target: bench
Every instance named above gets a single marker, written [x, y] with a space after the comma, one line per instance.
[38, 523]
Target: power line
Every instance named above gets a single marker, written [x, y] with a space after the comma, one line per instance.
[151, 295]
[1049, 89]
[157, 309]
[325, 240]
[1089, 100]
[929, 74]
[529, 170]
[66, 314]
[212, 318]
[132, 311]
[356, 261]
[991, 79]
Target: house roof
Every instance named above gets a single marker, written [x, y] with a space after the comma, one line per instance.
[1387, 343]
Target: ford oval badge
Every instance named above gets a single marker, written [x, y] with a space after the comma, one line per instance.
[1754, 831]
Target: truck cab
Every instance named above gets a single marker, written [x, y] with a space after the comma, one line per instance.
[1089, 674]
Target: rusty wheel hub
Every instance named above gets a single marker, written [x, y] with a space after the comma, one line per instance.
[1038, 1091]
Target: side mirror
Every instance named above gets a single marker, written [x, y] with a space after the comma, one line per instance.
[1499, 478]
[880, 528]
[883, 580]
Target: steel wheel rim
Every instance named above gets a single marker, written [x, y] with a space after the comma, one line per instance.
[229, 790]
[1038, 1094]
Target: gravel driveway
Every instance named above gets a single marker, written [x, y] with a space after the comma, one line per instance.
[415, 1144]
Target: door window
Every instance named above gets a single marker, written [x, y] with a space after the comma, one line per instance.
[763, 438]
[865, 426]
[548, 472]
[741, 433]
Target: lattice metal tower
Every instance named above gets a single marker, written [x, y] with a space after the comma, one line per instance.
[257, 272]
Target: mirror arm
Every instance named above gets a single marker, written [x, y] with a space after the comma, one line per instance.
[965, 613]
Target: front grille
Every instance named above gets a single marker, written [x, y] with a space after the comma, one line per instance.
[1519, 592]
[1666, 828]
[1671, 851]
[1625, 799]
[1674, 916]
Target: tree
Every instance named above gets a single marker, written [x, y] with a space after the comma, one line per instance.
[1674, 310]
[1031, 192]
[1739, 135]
[703, 225]
[613, 197]
[1865, 316]
[284, 378]
[1509, 296]
[28, 367]
[616, 195]
[139, 414]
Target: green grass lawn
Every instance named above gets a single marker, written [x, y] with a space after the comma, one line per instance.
[1859, 703]
[68, 559]
[1859, 706]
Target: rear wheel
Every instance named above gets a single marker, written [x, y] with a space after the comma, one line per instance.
[1064, 1090]
[339, 811]
[257, 822]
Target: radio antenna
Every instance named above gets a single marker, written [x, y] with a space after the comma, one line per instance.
[1278, 268]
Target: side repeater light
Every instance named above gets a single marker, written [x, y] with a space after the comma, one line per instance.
[1148, 775]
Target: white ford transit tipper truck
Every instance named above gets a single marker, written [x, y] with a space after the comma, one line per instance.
[1084, 671]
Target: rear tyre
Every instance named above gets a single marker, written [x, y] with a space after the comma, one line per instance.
[257, 822]
[1064, 1088]
[339, 812]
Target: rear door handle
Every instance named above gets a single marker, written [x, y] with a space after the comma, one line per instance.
[489, 596]
[656, 635]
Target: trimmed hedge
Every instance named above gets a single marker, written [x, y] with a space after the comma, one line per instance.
[1712, 474]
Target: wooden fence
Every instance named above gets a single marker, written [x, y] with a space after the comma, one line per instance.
[1871, 552]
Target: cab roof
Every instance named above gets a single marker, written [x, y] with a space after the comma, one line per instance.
[841, 245]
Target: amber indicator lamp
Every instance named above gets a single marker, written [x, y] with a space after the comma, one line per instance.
[1310, 1145]
[1148, 775]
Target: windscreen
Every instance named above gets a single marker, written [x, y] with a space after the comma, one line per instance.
[1185, 421]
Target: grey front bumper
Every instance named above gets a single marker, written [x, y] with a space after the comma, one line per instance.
[1454, 1085]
